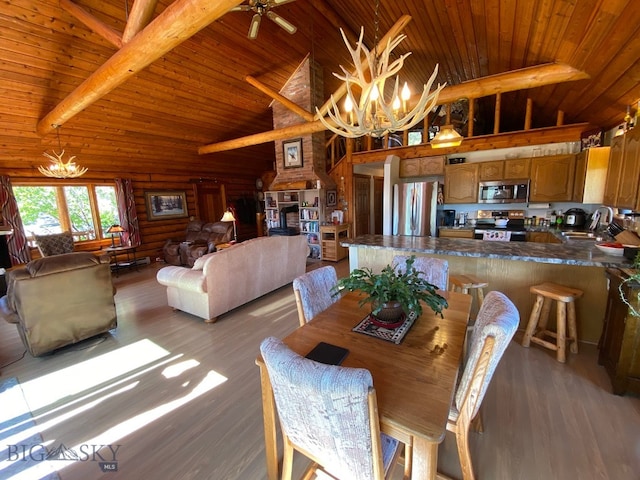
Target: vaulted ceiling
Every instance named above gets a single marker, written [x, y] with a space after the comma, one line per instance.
[197, 93]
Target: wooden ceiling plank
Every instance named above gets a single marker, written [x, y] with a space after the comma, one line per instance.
[92, 23]
[505, 35]
[139, 17]
[478, 16]
[178, 22]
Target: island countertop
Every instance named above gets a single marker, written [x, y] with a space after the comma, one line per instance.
[582, 253]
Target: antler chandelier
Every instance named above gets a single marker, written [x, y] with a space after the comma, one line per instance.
[371, 113]
[58, 167]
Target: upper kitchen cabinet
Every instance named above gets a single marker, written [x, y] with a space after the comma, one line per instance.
[461, 183]
[629, 171]
[422, 167]
[552, 178]
[491, 170]
[591, 175]
[616, 154]
[517, 168]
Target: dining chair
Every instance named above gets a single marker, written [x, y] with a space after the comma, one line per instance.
[329, 414]
[495, 326]
[313, 292]
[434, 270]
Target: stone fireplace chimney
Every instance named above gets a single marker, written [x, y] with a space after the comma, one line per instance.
[304, 88]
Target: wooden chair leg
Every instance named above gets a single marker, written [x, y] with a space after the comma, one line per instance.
[462, 442]
[561, 338]
[573, 331]
[534, 318]
[544, 317]
[287, 460]
[408, 458]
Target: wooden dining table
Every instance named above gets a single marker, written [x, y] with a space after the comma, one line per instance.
[415, 380]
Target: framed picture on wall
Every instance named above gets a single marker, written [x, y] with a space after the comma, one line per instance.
[166, 204]
[292, 153]
[332, 199]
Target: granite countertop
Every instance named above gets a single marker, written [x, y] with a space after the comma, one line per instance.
[571, 253]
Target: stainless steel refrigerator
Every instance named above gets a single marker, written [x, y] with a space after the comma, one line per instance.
[414, 208]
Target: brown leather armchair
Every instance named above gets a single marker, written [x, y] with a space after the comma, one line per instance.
[59, 300]
[201, 238]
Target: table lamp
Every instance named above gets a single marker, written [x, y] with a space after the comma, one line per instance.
[115, 229]
[229, 217]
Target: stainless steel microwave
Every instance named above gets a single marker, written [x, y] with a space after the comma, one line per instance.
[503, 191]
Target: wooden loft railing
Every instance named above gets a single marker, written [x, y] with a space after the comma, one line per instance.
[367, 149]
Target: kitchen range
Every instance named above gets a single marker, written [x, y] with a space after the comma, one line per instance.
[500, 225]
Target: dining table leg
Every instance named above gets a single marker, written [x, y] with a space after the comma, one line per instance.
[424, 465]
[269, 420]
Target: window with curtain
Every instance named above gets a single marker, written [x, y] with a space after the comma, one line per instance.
[86, 210]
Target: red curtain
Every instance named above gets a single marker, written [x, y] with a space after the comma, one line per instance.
[127, 212]
[17, 241]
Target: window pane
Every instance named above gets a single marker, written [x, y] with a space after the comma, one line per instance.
[38, 209]
[79, 210]
[107, 208]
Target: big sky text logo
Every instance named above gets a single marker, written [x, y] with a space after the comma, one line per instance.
[104, 455]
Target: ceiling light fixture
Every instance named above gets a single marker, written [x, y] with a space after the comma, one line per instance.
[58, 167]
[368, 108]
[446, 137]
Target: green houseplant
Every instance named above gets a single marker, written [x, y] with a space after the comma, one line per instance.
[391, 286]
[635, 277]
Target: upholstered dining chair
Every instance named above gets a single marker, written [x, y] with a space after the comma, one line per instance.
[495, 326]
[329, 414]
[434, 270]
[313, 292]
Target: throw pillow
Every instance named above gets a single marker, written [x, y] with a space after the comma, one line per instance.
[55, 244]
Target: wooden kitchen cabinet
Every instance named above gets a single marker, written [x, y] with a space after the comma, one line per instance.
[542, 237]
[517, 168]
[422, 167]
[629, 172]
[455, 232]
[620, 341]
[591, 175]
[461, 183]
[491, 170]
[616, 154]
[552, 178]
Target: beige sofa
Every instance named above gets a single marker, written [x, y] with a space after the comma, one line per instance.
[224, 280]
[60, 300]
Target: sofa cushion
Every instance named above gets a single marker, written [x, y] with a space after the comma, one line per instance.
[55, 244]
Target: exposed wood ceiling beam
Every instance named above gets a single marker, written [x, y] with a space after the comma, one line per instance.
[91, 22]
[177, 23]
[525, 78]
[294, 107]
[139, 17]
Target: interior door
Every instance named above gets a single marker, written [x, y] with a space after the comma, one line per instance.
[378, 195]
[211, 201]
[362, 200]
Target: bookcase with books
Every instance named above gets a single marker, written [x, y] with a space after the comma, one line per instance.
[307, 220]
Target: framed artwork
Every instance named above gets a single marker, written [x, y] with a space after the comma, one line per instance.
[292, 153]
[166, 204]
[591, 138]
[331, 198]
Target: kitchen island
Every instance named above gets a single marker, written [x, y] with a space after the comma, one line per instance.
[510, 267]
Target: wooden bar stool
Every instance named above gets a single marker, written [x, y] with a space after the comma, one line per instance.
[566, 311]
[466, 283]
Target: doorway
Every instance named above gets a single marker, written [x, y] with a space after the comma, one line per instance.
[211, 201]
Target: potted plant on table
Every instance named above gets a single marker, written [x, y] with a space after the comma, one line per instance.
[393, 293]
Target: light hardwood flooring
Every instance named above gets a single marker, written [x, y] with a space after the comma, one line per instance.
[182, 398]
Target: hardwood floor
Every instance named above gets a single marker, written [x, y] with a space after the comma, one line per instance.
[182, 399]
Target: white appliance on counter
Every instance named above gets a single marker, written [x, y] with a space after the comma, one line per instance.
[414, 208]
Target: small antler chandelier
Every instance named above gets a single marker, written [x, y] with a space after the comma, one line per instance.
[371, 113]
[58, 167]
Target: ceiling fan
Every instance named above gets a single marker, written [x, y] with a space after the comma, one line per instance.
[263, 7]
